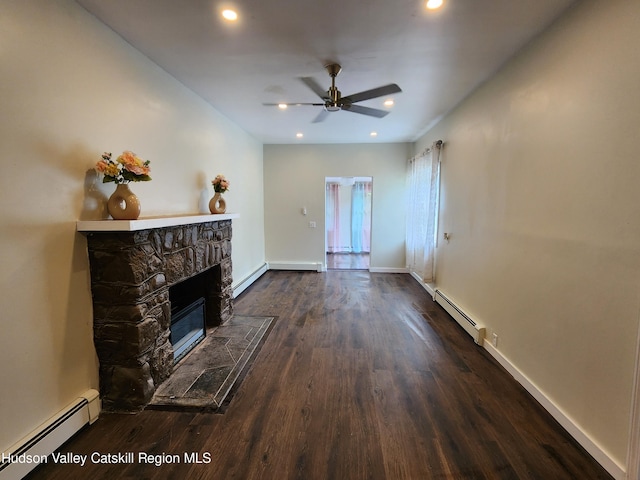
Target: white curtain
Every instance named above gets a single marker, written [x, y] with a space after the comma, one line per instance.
[361, 217]
[333, 217]
[423, 181]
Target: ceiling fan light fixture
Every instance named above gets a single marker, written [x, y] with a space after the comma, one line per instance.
[388, 103]
[332, 108]
[282, 106]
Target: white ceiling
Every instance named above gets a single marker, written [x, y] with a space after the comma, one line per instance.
[436, 58]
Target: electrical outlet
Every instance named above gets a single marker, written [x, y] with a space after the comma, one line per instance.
[312, 224]
[494, 339]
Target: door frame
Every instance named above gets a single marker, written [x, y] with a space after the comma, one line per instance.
[340, 178]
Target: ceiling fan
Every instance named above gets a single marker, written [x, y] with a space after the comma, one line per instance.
[333, 100]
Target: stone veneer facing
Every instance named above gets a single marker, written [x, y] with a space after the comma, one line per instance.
[131, 273]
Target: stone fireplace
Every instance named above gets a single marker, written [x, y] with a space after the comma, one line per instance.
[133, 266]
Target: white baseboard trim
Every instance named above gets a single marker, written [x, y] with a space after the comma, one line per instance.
[246, 282]
[429, 287]
[614, 469]
[37, 447]
[316, 267]
[319, 267]
[388, 270]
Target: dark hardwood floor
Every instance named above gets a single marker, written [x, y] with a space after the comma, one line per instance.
[362, 377]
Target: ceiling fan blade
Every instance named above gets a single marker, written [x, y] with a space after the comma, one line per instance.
[315, 87]
[372, 112]
[292, 104]
[373, 93]
[321, 116]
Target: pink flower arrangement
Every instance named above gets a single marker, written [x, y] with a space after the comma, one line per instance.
[220, 184]
[128, 167]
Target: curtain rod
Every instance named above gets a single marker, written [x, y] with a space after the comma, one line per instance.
[437, 144]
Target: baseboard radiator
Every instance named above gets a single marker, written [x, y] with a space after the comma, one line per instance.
[248, 281]
[34, 449]
[476, 331]
[310, 266]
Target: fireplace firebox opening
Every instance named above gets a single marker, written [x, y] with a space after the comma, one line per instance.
[189, 312]
[187, 329]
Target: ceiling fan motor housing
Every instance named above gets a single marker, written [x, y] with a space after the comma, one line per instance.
[333, 104]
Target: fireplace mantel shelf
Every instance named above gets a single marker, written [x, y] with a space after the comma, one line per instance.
[148, 222]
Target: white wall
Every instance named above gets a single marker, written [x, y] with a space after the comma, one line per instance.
[70, 90]
[540, 192]
[294, 176]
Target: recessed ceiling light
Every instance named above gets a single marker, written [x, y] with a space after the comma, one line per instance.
[388, 103]
[230, 15]
[299, 135]
[374, 134]
[282, 106]
[433, 4]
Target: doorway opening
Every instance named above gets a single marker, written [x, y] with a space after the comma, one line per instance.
[348, 222]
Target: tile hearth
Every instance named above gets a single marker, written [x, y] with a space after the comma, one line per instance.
[204, 378]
